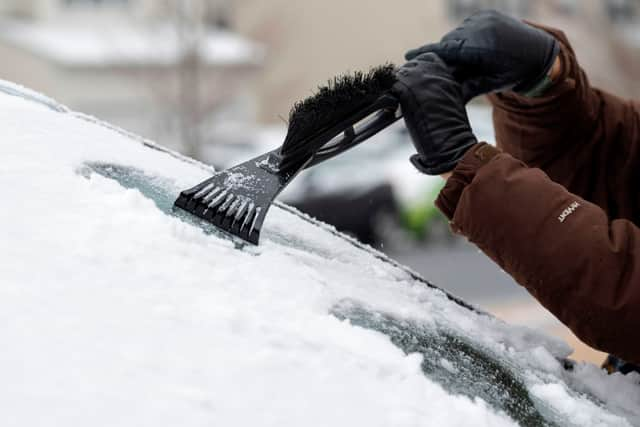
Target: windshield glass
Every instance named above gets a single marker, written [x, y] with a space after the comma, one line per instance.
[460, 366]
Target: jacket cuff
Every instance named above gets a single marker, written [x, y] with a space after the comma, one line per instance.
[462, 176]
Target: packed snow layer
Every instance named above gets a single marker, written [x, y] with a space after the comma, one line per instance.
[114, 313]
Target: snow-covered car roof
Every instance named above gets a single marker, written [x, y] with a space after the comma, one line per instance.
[115, 310]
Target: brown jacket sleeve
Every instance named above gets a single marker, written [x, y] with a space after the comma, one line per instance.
[583, 138]
[563, 229]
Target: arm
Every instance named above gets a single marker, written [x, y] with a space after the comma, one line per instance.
[580, 265]
[583, 138]
[554, 74]
[568, 252]
[535, 130]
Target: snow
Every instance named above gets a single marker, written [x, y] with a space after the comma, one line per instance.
[122, 44]
[114, 313]
[617, 390]
[579, 410]
[448, 366]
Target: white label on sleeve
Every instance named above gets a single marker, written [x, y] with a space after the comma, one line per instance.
[571, 209]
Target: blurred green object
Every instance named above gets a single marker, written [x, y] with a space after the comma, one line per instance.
[418, 217]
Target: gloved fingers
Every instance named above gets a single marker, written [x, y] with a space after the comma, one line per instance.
[430, 57]
[449, 50]
[469, 90]
[475, 86]
[417, 160]
[484, 15]
[412, 53]
[470, 85]
[457, 35]
[424, 67]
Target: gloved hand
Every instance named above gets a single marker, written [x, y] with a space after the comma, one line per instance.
[492, 52]
[433, 109]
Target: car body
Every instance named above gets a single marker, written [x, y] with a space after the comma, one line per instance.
[116, 309]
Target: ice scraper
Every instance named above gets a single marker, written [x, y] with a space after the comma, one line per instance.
[342, 114]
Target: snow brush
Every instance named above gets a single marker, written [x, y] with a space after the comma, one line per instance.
[345, 112]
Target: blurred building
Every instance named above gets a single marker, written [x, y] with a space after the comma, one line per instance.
[605, 36]
[168, 70]
[183, 71]
[309, 42]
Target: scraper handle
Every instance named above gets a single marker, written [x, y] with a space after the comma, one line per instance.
[359, 132]
[345, 135]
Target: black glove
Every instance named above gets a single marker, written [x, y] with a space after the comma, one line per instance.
[434, 112]
[492, 52]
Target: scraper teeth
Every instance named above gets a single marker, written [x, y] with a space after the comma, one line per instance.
[218, 199]
[242, 209]
[255, 218]
[190, 192]
[248, 216]
[235, 201]
[234, 206]
[204, 191]
[227, 203]
[211, 194]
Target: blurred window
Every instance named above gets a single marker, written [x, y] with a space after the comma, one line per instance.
[218, 15]
[566, 7]
[621, 10]
[71, 3]
[460, 9]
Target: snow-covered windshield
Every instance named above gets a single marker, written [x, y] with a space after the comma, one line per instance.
[462, 366]
[114, 309]
[157, 189]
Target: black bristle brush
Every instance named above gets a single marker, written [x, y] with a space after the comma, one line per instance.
[341, 97]
[348, 110]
